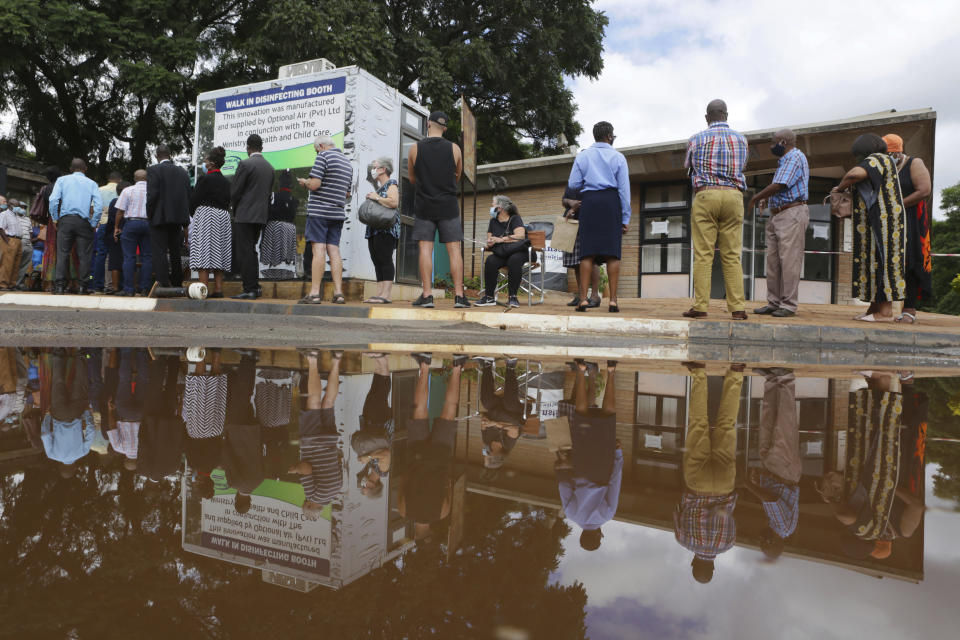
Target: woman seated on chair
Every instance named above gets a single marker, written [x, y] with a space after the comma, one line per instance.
[507, 245]
[502, 415]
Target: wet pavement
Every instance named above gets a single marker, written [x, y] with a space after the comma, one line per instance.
[234, 493]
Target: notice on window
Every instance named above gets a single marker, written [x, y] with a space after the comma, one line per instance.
[651, 441]
[821, 231]
[660, 227]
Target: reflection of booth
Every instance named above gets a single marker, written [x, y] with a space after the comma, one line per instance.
[365, 117]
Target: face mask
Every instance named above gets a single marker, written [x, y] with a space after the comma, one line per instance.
[493, 211]
[373, 174]
[778, 149]
[897, 157]
[3, 207]
[20, 211]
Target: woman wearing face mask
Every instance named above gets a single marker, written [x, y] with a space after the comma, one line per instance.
[279, 242]
[210, 232]
[383, 242]
[916, 187]
[879, 228]
[507, 242]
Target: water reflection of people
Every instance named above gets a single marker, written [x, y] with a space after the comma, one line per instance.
[321, 463]
[373, 442]
[589, 472]
[426, 493]
[777, 482]
[204, 414]
[162, 429]
[502, 414]
[703, 520]
[68, 430]
[132, 388]
[242, 459]
[879, 495]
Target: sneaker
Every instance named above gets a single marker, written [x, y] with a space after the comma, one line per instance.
[460, 302]
[460, 359]
[486, 301]
[783, 313]
[424, 302]
[423, 357]
[765, 310]
[513, 302]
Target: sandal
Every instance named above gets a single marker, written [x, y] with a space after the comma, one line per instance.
[872, 317]
[583, 306]
[907, 318]
[613, 308]
[338, 299]
[310, 299]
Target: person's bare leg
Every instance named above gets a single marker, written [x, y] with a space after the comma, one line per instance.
[426, 266]
[576, 273]
[456, 267]
[203, 276]
[421, 393]
[586, 264]
[215, 363]
[218, 281]
[318, 267]
[884, 310]
[580, 401]
[336, 268]
[386, 290]
[452, 397]
[609, 405]
[595, 282]
[314, 384]
[613, 276]
[333, 382]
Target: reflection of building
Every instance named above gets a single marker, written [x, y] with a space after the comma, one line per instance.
[656, 247]
[652, 418]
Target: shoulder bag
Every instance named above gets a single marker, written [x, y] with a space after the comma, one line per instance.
[841, 204]
[507, 249]
[376, 216]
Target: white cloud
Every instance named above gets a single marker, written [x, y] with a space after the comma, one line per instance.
[774, 64]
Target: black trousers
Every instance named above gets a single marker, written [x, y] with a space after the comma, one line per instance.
[72, 230]
[167, 239]
[513, 263]
[247, 236]
[382, 246]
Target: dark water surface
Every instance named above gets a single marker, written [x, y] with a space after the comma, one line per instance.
[163, 493]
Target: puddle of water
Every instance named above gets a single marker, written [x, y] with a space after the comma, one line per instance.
[228, 493]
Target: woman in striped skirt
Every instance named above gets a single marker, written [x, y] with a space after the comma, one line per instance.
[279, 242]
[210, 232]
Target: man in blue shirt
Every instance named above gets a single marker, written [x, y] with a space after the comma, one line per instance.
[600, 174]
[786, 229]
[75, 207]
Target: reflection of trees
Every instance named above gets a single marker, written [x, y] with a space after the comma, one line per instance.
[944, 422]
[100, 556]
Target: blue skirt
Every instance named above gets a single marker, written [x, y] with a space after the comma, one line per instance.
[601, 225]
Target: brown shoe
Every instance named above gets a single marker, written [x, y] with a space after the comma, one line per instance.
[739, 315]
[693, 313]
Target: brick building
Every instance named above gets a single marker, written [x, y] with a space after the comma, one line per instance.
[656, 249]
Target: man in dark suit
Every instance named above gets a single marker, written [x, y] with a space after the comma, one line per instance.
[250, 195]
[168, 209]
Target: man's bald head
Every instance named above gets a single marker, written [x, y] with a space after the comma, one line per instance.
[786, 136]
[77, 164]
[716, 111]
[139, 175]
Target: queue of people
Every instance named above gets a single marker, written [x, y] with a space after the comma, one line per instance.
[140, 226]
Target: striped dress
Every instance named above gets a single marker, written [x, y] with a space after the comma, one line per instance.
[210, 232]
[205, 405]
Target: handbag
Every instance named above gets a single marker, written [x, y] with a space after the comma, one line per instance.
[505, 250]
[565, 232]
[37, 210]
[376, 216]
[841, 204]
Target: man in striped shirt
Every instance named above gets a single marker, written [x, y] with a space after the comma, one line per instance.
[786, 229]
[329, 186]
[715, 158]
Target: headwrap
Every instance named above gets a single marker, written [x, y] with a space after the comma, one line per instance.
[894, 143]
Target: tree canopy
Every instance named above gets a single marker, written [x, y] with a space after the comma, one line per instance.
[103, 80]
[945, 238]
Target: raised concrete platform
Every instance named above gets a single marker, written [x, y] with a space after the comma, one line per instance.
[818, 327]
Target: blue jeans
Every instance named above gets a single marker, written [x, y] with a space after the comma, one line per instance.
[136, 233]
[100, 250]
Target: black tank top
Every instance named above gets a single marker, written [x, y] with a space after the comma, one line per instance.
[436, 173]
[906, 184]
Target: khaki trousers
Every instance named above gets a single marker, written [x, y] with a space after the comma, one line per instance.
[10, 261]
[717, 221]
[710, 455]
[779, 428]
[785, 236]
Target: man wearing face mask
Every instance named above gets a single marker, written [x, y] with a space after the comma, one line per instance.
[786, 229]
[9, 245]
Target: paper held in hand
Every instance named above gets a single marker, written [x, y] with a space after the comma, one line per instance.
[564, 233]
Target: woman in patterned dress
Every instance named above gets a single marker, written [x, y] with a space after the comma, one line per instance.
[879, 228]
[279, 242]
[210, 232]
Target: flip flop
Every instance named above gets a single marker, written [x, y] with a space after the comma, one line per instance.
[310, 300]
[906, 318]
[872, 317]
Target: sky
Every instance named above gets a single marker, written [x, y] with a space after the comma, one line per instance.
[775, 64]
[639, 585]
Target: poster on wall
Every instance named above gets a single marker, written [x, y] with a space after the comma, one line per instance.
[274, 530]
[288, 119]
